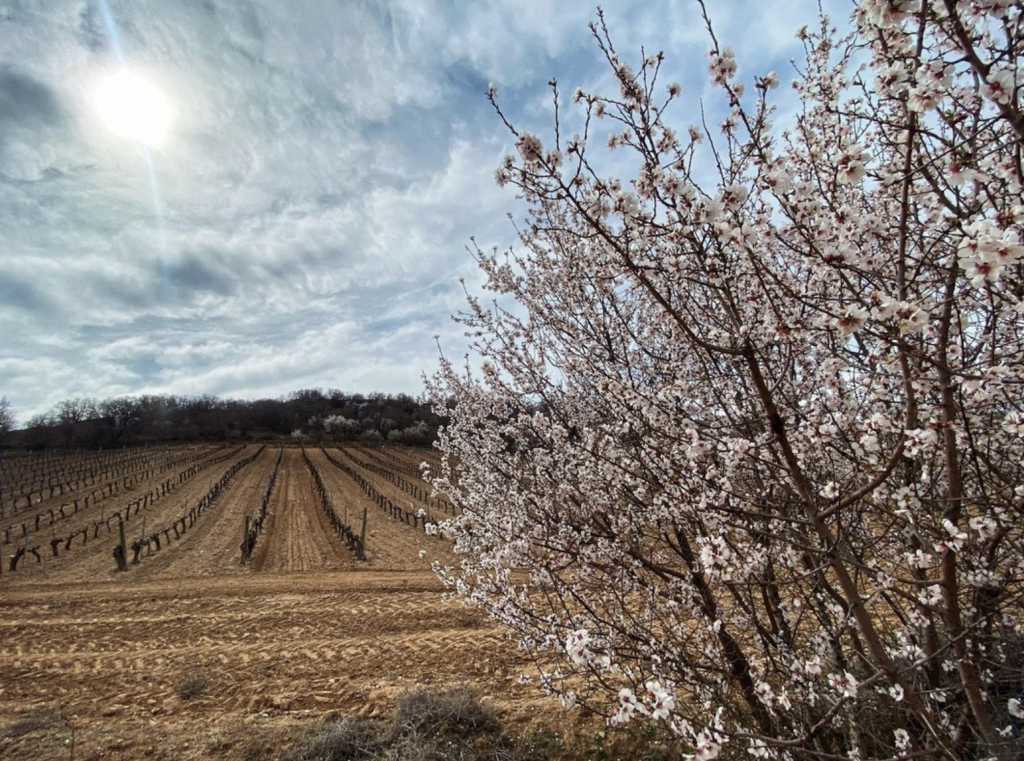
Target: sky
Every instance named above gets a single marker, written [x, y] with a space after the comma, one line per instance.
[304, 221]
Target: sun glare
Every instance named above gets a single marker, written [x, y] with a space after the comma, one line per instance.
[131, 107]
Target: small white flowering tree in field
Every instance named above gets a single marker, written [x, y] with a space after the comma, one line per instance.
[7, 418]
[749, 456]
[341, 427]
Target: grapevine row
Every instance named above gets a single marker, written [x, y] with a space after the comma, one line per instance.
[356, 543]
[421, 493]
[22, 481]
[166, 487]
[109, 490]
[72, 481]
[254, 526]
[185, 521]
[419, 519]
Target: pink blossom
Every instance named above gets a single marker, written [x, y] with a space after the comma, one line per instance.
[707, 398]
[844, 684]
[529, 147]
[999, 85]
[723, 66]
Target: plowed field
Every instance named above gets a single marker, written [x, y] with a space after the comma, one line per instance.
[93, 660]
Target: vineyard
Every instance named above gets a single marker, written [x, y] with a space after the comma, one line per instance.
[296, 581]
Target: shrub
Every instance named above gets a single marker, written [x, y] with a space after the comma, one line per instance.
[192, 686]
[36, 721]
[455, 711]
[348, 739]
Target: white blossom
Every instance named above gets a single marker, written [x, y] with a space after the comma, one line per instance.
[723, 66]
[1016, 708]
[999, 85]
[661, 700]
[852, 320]
[902, 739]
[844, 684]
[707, 419]
[529, 147]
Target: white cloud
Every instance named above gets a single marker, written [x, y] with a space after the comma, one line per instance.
[328, 165]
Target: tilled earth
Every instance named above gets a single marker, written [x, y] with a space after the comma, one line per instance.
[99, 664]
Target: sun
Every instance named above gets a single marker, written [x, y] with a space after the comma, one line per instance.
[131, 107]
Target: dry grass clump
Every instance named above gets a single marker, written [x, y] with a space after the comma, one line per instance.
[456, 711]
[192, 686]
[443, 725]
[348, 739]
[456, 725]
[38, 720]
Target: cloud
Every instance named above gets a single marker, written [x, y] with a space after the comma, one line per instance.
[306, 221]
[21, 295]
[25, 101]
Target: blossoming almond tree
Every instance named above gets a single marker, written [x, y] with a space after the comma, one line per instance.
[748, 459]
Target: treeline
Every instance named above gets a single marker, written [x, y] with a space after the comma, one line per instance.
[310, 415]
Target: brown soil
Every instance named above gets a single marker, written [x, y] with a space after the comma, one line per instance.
[93, 660]
[297, 538]
[390, 490]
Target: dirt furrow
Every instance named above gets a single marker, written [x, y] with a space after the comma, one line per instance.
[390, 543]
[298, 538]
[309, 633]
[92, 559]
[391, 490]
[212, 546]
[336, 644]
